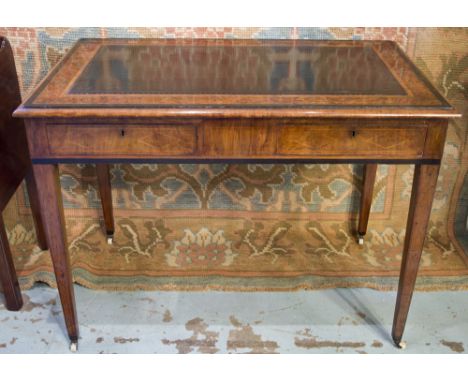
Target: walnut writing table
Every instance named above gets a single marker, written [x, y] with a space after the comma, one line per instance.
[253, 101]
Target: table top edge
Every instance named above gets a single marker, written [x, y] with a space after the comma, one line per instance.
[447, 113]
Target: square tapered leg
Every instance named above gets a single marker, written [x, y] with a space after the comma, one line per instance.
[50, 200]
[370, 171]
[105, 191]
[36, 209]
[424, 185]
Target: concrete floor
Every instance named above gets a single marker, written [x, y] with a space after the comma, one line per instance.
[328, 321]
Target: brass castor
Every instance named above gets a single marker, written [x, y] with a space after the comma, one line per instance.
[73, 347]
[360, 239]
[401, 345]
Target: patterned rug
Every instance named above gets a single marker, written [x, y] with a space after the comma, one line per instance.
[251, 227]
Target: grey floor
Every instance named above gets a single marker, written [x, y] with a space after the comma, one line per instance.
[328, 321]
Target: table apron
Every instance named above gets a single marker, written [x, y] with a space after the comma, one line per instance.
[246, 140]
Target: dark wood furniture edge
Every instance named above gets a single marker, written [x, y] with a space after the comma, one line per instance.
[266, 112]
[230, 160]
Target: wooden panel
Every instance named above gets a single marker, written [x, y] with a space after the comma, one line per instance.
[233, 139]
[125, 140]
[352, 141]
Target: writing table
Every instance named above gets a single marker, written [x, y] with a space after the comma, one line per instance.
[258, 101]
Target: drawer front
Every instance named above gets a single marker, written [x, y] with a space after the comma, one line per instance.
[352, 142]
[135, 140]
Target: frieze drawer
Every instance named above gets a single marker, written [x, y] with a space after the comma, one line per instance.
[352, 141]
[134, 140]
